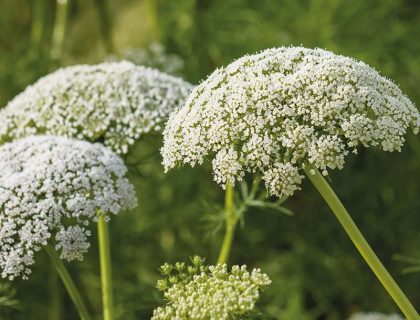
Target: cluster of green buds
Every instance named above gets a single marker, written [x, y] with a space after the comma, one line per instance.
[199, 292]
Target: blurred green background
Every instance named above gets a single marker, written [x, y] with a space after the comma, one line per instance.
[316, 272]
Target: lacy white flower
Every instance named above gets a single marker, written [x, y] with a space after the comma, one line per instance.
[272, 112]
[375, 316]
[111, 102]
[50, 189]
[200, 292]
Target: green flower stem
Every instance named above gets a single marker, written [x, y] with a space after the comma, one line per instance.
[38, 22]
[153, 16]
[231, 221]
[68, 282]
[55, 310]
[106, 24]
[360, 242]
[106, 271]
[59, 29]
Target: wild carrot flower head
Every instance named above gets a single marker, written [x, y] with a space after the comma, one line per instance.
[201, 292]
[51, 188]
[375, 316]
[272, 112]
[111, 102]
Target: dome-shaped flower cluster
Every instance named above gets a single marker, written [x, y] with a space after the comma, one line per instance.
[375, 316]
[200, 292]
[112, 102]
[273, 112]
[50, 189]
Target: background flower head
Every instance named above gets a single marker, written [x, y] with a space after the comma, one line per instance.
[113, 102]
[51, 188]
[375, 316]
[271, 113]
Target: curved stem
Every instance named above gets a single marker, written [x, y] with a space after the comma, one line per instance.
[231, 221]
[68, 282]
[360, 242]
[106, 271]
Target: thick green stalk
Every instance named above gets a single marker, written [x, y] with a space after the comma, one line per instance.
[360, 242]
[55, 310]
[68, 282]
[106, 270]
[59, 29]
[231, 218]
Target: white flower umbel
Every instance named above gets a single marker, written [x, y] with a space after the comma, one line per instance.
[285, 111]
[375, 316]
[114, 102]
[271, 112]
[51, 188]
[200, 292]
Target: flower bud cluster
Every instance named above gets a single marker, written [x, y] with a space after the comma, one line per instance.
[201, 292]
